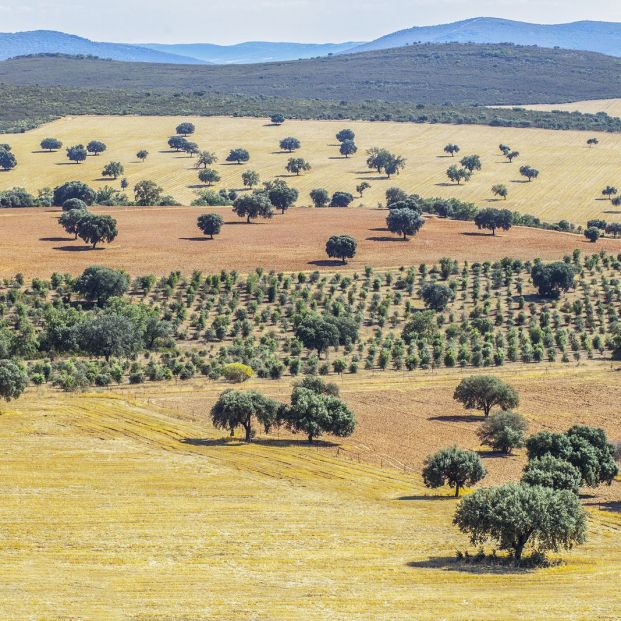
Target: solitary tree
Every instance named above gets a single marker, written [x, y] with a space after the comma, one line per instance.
[504, 149]
[341, 199]
[320, 197]
[69, 220]
[451, 149]
[205, 159]
[277, 119]
[492, 219]
[554, 472]
[8, 161]
[529, 172]
[281, 195]
[552, 278]
[238, 156]
[113, 169]
[51, 144]
[384, 160]
[609, 191]
[404, 222]
[290, 144]
[515, 515]
[210, 224]
[457, 174]
[342, 247]
[592, 234]
[13, 380]
[208, 176]
[94, 229]
[394, 166]
[191, 148]
[255, 205]
[147, 193]
[500, 190]
[297, 165]
[250, 178]
[99, 284]
[142, 155]
[436, 296]
[95, 147]
[185, 129]
[483, 392]
[347, 148]
[511, 155]
[457, 467]
[362, 187]
[503, 431]
[345, 134]
[77, 153]
[471, 163]
[592, 141]
[236, 408]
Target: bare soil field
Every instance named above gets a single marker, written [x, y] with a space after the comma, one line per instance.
[572, 175]
[160, 239]
[127, 505]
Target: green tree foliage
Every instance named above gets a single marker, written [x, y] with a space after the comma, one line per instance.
[511, 155]
[436, 296]
[500, 190]
[77, 153]
[320, 197]
[236, 372]
[383, 160]
[94, 229]
[587, 448]
[320, 332]
[592, 142]
[73, 189]
[492, 219]
[99, 284]
[347, 148]
[250, 178]
[453, 466]
[277, 119]
[503, 431]
[341, 199]
[529, 172]
[210, 224]
[147, 193]
[51, 144]
[361, 188]
[317, 385]
[236, 408]
[290, 144]
[178, 143]
[142, 155]
[72, 204]
[451, 149]
[404, 222]
[592, 234]
[457, 174]
[113, 169]
[205, 159]
[69, 220]
[280, 195]
[554, 472]
[471, 163]
[208, 176]
[185, 129]
[345, 134]
[483, 392]
[552, 278]
[395, 195]
[255, 205]
[422, 324]
[13, 380]
[109, 335]
[238, 156]
[297, 165]
[191, 148]
[341, 247]
[96, 147]
[514, 516]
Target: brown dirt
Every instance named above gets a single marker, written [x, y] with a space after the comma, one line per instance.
[160, 239]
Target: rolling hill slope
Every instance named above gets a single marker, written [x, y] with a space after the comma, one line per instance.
[603, 37]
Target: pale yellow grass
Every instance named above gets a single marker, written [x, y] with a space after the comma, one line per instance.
[571, 180]
[611, 107]
[112, 510]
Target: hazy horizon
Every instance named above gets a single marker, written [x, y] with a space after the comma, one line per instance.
[305, 21]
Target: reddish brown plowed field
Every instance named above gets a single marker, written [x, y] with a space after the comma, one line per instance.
[161, 239]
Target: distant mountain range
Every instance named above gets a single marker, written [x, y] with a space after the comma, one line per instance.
[603, 37]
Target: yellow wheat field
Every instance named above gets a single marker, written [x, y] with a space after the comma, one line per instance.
[572, 175]
[611, 107]
[116, 508]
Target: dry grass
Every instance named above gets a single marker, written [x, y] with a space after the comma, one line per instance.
[115, 509]
[158, 240]
[572, 175]
[611, 107]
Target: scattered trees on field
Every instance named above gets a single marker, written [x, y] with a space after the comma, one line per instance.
[191, 148]
[362, 187]
[255, 205]
[341, 247]
[147, 193]
[341, 199]
[99, 284]
[94, 229]
[142, 155]
[320, 197]
[185, 129]
[609, 191]
[453, 466]
[483, 392]
[346, 134]
[457, 174]
[492, 219]
[471, 163]
[8, 161]
[51, 144]
[77, 153]
[280, 195]
[208, 176]
[205, 159]
[503, 431]
[210, 224]
[529, 172]
[515, 515]
[297, 165]
[290, 144]
[552, 278]
[500, 190]
[347, 148]
[178, 143]
[73, 189]
[511, 155]
[383, 160]
[250, 178]
[404, 222]
[451, 149]
[504, 148]
[113, 169]
[236, 408]
[613, 228]
[592, 234]
[238, 156]
[277, 119]
[592, 141]
[13, 380]
[95, 147]
[69, 220]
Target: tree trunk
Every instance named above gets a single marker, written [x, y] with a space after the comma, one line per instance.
[310, 438]
[486, 409]
[248, 220]
[248, 428]
[457, 488]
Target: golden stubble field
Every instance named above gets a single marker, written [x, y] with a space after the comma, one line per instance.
[572, 175]
[126, 505]
[611, 107]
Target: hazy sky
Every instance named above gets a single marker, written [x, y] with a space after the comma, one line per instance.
[231, 21]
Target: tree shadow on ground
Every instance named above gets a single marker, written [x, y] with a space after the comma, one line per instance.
[520, 181]
[612, 211]
[385, 238]
[77, 248]
[327, 263]
[369, 178]
[459, 418]
[450, 563]
[290, 442]
[424, 498]
[446, 184]
[196, 239]
[613, 506]
[56, 239]
[212, 441]
[478, 234]
[340, 157]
